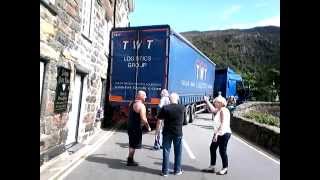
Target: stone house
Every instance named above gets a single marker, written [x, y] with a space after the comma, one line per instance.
[74, 49]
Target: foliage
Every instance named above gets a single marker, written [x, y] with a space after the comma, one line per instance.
[263, 118]
[254, 53]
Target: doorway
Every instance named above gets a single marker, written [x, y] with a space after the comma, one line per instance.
[73, 122]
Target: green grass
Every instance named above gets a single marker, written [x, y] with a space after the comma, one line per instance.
[263, 118]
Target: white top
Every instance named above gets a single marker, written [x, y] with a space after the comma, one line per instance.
[226, 122]
[164, 101]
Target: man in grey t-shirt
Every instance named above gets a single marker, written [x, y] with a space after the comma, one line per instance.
[158, 136]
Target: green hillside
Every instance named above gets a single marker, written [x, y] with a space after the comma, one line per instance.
[254, 53]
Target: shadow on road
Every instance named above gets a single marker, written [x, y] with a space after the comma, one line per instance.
[121, 164]
[184, 167]
[126, 145]
[203, 126]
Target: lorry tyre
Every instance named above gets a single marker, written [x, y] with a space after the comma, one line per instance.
[186, 115]
[192, 113]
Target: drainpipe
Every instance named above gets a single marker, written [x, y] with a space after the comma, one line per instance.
[107, 108]
[114, 13]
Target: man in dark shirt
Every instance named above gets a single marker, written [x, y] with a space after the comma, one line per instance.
[172, 115]
[137, 119]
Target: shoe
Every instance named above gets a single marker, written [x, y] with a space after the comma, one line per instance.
[210, 169]
[178, 173]
[223, 171]
[164, 174]
[131, 162]
[156, 148]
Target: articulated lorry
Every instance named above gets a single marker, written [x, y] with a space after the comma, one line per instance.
[229, 83]
[152, 58]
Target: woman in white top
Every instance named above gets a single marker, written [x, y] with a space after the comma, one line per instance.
[163, 101]
[222, 133]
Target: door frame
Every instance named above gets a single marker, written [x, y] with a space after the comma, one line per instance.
[79, 107]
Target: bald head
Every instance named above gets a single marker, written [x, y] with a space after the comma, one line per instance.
[164, 92]
[174, 98]
[141, 95]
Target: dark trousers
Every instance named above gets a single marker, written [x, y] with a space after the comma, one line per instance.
[222, 143]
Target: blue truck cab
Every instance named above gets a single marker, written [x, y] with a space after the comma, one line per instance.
[152, 58]
[229, 83]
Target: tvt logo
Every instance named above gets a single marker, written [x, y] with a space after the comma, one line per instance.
[201, 70]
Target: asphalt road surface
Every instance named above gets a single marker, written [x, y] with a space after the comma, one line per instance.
[109, 161]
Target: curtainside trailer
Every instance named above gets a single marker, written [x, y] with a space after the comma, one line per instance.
[152, 58]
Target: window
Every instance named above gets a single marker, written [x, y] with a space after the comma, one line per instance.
[106, 29]
[41, 78]
[86, 15]
[239, 86]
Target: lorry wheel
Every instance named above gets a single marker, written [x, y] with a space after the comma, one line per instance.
[192, 113]
[186, 115]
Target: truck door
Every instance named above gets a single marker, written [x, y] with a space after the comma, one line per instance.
[122, 72]
[151, 74]
[139, 58]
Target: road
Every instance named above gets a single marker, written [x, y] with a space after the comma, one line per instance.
[109, 161]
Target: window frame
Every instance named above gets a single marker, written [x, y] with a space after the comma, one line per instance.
[87, 15]
[42, 77]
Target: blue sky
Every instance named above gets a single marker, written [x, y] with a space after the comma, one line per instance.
[204, 15]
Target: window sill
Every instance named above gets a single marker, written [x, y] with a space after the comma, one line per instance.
[52, 8]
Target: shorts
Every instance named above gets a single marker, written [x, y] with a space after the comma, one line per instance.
[135, 138]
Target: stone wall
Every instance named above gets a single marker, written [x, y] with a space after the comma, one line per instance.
[62, 43]
[263, 135]
[269, 107]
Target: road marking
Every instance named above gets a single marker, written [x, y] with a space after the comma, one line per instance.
[260, 152]
[186, 146]
[98, 145]
[71, 167]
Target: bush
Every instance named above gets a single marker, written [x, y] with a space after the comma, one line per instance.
[263, 118]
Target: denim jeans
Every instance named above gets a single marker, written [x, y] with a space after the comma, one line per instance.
[222, 143]
[167, 139]
[158, 138]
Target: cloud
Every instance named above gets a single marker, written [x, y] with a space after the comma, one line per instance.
[230, 11]
[272, 21]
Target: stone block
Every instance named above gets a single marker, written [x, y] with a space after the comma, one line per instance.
[62, 38]
[57, 46]
[72, 3]
[64, 17]
[72, 11]
[53, 84]
[49, 108]
[47, 28]
[88, 99]
[89, 127]
[60, 3]
[86, 118]
[74, 25]
[52, 152]
[47, 51]
[93, 99]
[93, 59]
[92, 109]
